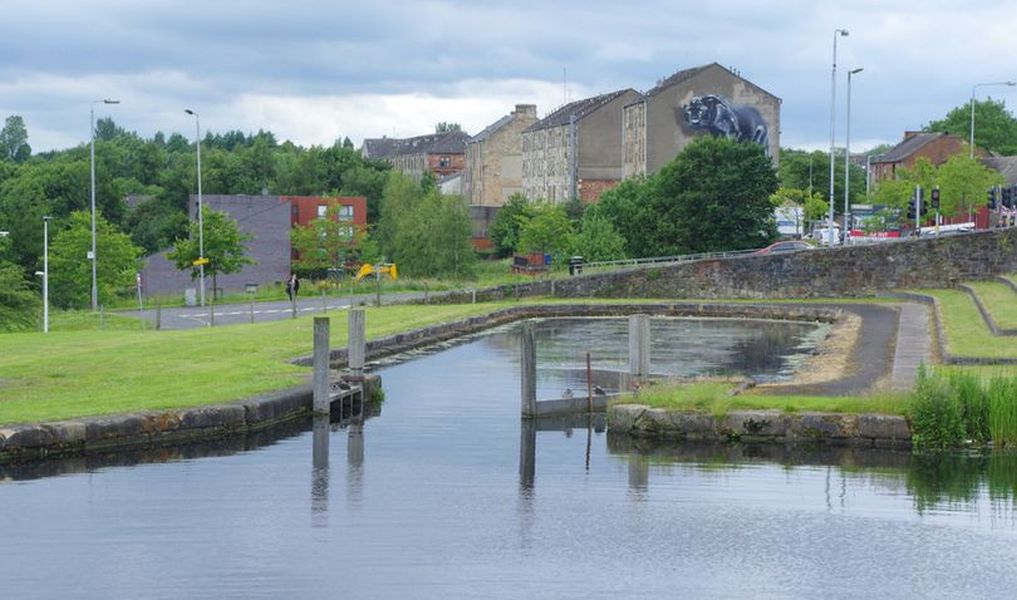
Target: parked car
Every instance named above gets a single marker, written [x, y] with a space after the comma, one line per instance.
[783, 247]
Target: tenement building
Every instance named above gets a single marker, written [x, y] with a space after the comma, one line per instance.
[441, 154]
[494, 159]
[575, 152]
[706, 100]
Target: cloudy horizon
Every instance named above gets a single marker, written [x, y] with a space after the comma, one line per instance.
[313, 72]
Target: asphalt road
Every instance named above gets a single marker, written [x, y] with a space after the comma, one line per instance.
[189, 317]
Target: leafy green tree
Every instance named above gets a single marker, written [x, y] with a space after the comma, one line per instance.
[14, 140]
[434, 239]
[962, 182]
[995, 126]
[627, 207]
[398, 204]
[154, 225]
[71, 271]
[545, 228]
[444, 127]
[225, 247]
[811, 171]
[19, 303]
[714, 196]
[504, 228]
[597, 239]
[325, 243]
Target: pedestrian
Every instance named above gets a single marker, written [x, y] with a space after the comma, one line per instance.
[292, 286]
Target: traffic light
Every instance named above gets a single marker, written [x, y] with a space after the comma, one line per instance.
[935, 198]
[911, 210]
[1007, 200]
[990, 198]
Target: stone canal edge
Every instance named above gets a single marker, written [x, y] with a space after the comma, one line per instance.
[131, 431]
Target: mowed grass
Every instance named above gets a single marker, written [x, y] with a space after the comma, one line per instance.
[999, 299]
[714, 397]
[69, 374]
[965, 330]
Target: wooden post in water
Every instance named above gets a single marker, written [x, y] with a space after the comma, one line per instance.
[639, 345]
[321, 352]
[528, 364]
[357, 348]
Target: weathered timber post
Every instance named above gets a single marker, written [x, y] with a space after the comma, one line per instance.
[527, 453]
[321, 351]
[158, 315]
[252, 310]
[528, 364]
[357, 345]
[639, 345]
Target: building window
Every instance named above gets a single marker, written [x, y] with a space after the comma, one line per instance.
[322, 209]
[345, 213]
[444, 161]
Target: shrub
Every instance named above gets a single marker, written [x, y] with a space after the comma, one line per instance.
[974, 404]
[937, 420]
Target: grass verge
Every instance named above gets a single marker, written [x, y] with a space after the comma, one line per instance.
[999, 299]
[965, 330]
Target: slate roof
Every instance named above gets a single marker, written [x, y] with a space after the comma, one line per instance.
[906, 148]
[686, 74]
[453, 142]
[1007, 165]
[491, 129]
[579, 108]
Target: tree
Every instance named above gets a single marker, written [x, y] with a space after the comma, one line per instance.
[225, 247]
[995, 126]
[71, 272]
[444, 127]
[504, 228]
[14, 140]
[627, 206]
[326, 243]
[962, 181]
[433, 240]
[597, 240]
[19, 303]
[546, 228]
[810, 171]
[714, 196]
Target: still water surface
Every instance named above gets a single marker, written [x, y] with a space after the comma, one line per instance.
[445, 495]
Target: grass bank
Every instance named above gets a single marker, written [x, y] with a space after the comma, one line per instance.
[999, 299]
[69, 374]
[965, 330]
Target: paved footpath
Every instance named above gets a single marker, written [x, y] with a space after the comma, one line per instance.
[914, 345]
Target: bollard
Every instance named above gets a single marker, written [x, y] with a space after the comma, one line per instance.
[158, 315]
[639, 345]
[528, 364]
[552, 289]
[321, 403]
[357, 341]
[425, 292]
[473, 295]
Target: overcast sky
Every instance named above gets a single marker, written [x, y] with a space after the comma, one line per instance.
[312, 71]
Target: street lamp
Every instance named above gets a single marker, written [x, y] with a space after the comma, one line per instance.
[847, 154]
[833, 99]
[94, 257]
[201, 221]
[971, 140]
[45, 274]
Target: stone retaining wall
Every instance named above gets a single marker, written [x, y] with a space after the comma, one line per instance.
[881, 431]
[842, 271]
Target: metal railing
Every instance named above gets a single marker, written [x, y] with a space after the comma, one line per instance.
[634, 263]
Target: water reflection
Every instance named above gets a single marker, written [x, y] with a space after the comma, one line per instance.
[319, 470]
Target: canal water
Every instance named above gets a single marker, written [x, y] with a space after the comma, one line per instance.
[442, 493]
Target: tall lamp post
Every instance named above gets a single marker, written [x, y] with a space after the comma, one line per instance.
[971, 140]
[833, 101]
[847, 154]
[45, 274]
[201, 221]
[94, 257]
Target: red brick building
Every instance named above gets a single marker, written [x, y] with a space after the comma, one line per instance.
[936, 147]
[304, 209]
[440, 154]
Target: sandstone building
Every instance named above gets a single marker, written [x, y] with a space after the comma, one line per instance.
[575, 152]
[494, 159]
[441, 154]
[705, 100]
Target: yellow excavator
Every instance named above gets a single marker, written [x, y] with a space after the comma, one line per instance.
[377, 270]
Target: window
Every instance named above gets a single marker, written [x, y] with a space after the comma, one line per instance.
[444, 161]
[345, 213]
[322, 209]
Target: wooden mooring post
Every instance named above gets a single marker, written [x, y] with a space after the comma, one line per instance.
[321, 404]
[356, 350]
[639, 345]
[528, 364]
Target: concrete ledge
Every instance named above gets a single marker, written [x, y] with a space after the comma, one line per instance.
[760, 426]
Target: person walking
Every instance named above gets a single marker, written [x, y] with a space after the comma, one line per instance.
[292, 286]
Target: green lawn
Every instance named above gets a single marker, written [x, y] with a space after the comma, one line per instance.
[68, 374]
[966, 332]
[999, 299]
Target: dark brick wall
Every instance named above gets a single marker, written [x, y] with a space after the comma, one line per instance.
[266, 217]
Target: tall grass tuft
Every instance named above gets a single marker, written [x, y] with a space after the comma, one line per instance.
[937, 420]
[974, 404]
[1002, 399]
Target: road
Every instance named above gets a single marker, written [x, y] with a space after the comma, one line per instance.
[189, 317]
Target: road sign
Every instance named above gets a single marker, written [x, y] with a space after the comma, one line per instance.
[199, 262]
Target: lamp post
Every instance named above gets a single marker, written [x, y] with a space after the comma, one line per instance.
[94, 257]
[971, 140]
[201, 221]
[847, 154]
[833, 100]
[45, 274]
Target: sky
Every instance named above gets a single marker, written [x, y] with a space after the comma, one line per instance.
[313, 71]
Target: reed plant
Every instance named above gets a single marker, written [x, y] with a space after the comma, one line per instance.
[937, 420]
[974, 404]
[1002, 401]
